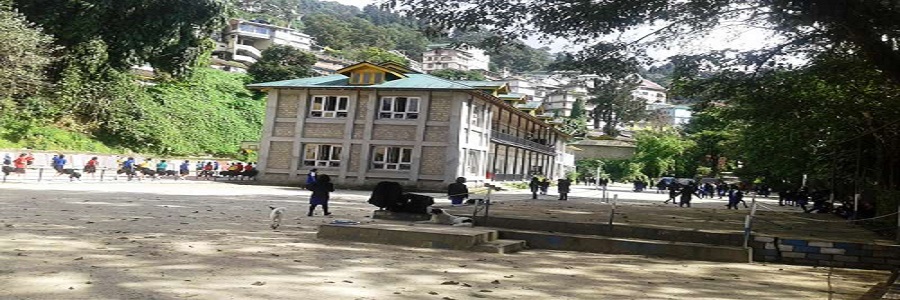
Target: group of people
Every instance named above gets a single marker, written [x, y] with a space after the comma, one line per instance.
[17, 166]
[684, 193]
[538, 185]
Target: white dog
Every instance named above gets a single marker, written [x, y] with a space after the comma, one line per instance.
[276, 215]
[439, 216]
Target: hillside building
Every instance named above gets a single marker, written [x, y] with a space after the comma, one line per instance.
[243, 41]
[371, 123]
[457, 57]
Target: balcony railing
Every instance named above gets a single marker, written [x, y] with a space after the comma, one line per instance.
[255, 53]
[517, 141]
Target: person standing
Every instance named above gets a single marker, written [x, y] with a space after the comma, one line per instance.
[128, 167]
[321, 191]
[458, 191]
[534, 185]
[563, 186]
[311, 177]
[545, 185]
[735, 196]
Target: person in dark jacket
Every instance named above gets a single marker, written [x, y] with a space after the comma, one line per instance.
[687, 192]
[545, 185]
[458, 191]
[535, 184]
[321, 191]
[673, 193]
[563, 186]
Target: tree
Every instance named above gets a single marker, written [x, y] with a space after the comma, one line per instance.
[615, 104]
[26, 52]
[171, 35]
[453, 74]
[659, 152]
[281, 62]
[376, 55]
[328, 31]
[863, 27]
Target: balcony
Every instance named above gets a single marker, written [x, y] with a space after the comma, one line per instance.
[252, 51]
[512, 140]
[244, 59]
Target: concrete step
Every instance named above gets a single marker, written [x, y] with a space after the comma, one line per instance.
[413, 235]
[500, 246]
[610, 245]
[617, 230]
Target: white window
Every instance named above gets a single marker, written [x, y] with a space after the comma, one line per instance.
[317, 155]
[399, 108]
[329, 106]
[392, 158]
[476, 118]
[473, 162]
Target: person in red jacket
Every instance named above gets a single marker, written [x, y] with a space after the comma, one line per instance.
[21, 163]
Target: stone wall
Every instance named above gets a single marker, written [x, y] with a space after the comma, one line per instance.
[287, 105]
[433, 160]
[394, 132]
[440, 109]
[437, 134]
[280, 154]
[332, 131]
[284, 129]
[819, 253]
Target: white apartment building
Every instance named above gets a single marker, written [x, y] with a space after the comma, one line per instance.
[650, 91]
[457, 57]
[243, 41]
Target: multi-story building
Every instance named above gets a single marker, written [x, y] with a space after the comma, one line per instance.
[650, 92]
[243, 41]
[462, 57]
[371, 123]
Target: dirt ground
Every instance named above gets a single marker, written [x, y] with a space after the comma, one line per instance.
[207, 240]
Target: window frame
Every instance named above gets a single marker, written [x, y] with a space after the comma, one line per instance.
[332, 159]
[324, 112]
[408, 112]
[391, 158]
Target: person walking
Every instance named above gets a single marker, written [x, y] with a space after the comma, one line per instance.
[321, 191]
[673, 193]
[311, 177]
[534, 185]
[563, 186]
[458, 191]
[128, 167]
[735, 196]
[687, 193]
[21, 163]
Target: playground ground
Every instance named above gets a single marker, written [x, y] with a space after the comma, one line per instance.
[210, 240]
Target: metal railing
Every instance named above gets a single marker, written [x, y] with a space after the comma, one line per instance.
[46, 173]
[518, 141]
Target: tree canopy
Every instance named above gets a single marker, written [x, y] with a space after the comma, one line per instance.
[863, 27]
[280, 62]
[170, 35]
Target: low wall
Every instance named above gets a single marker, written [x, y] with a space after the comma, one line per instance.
[823, 253]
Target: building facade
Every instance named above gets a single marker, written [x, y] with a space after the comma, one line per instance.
[243, 41]
[457, 57]
[371, 123]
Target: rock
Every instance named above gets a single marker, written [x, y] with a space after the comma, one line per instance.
[496, 282]
[509, 276]
[466, 285]
[432, 293]
[348, 281]
[80, 258]
[259, 283]
[449, 283]
[486, 291]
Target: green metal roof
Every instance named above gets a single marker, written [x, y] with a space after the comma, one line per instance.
[512, 95]
[529, 105]
[481, 83]
[412, 81]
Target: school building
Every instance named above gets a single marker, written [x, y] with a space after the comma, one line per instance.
[370, 123]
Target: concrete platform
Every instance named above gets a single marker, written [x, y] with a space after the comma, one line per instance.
[608, 245]
[422, 236]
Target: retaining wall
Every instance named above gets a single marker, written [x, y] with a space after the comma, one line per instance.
[822, 253]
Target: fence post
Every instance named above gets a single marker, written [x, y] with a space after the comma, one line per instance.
[612, 213]
[102, 172]
[898, 222]
[748, 223]
[40, 174]
[487, 204]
